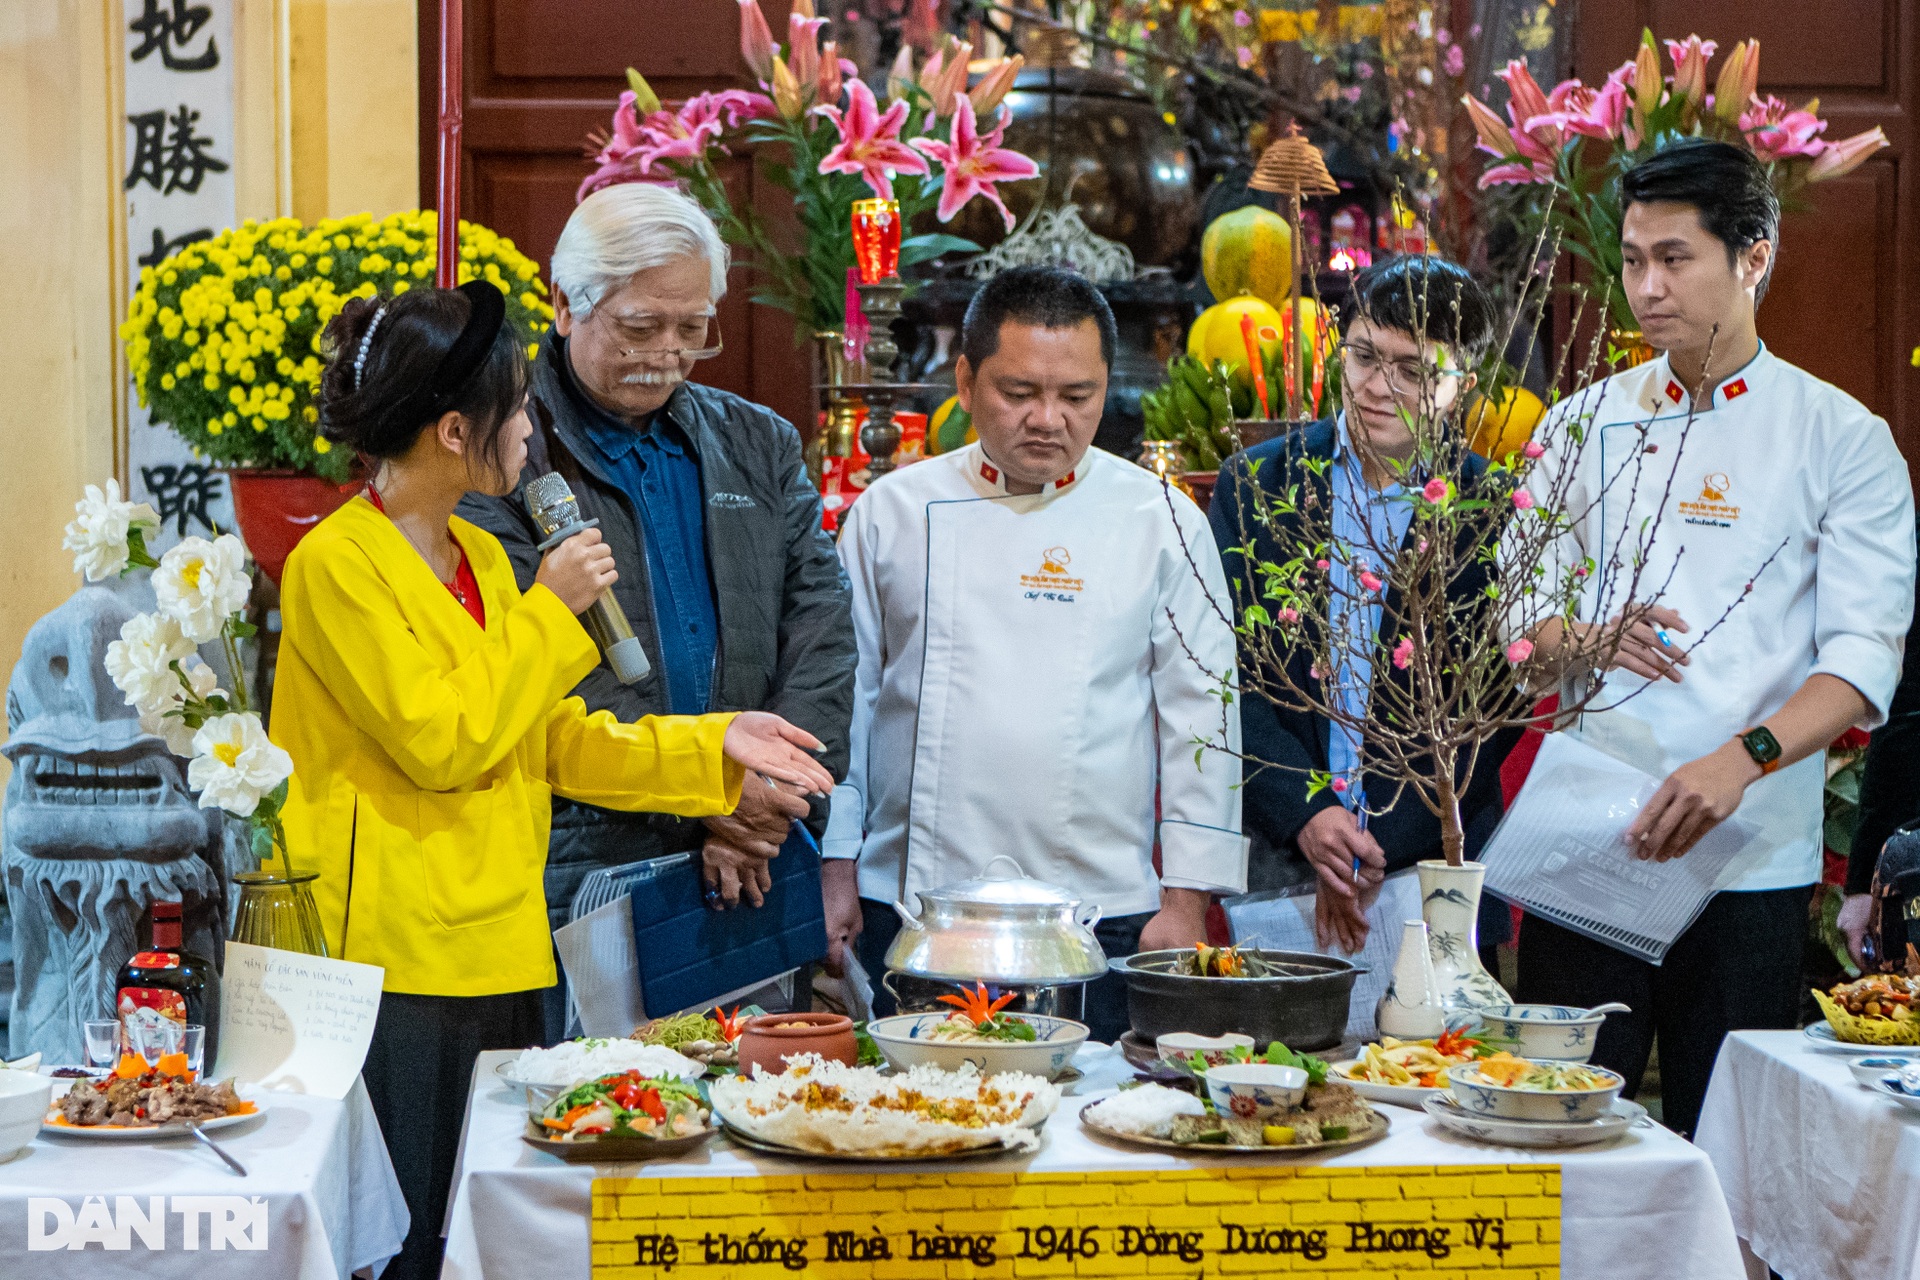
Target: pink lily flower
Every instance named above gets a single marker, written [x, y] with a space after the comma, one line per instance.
[756, 40]
[870, 141]
[1690, 58]
[1648, 87]
[974, 165]
[1846, 155]
[789, 94]
[1591, 113]
[993, 86]
[1534, 137]
[803, 49]
[1776, 132]
[900, 74]
[1495, 138]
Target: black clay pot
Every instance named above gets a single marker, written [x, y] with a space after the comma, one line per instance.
[1304, 1006]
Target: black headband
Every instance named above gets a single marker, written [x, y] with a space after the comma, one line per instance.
[469, 351]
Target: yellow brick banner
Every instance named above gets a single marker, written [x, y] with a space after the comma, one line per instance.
[1455, 1222]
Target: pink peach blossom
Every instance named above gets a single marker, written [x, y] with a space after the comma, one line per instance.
[1339, 786]
[1522, 500]
[1370, 581]
[1403, 652]
[1289, 615]
[1519, 651]
[1533, 449]
[1435, 490]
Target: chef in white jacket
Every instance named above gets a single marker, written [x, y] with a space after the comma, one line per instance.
[1741, 475]
[1042, 639]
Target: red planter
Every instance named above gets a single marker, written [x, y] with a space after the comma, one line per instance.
[275, 509]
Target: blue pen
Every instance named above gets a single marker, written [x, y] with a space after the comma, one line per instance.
[1360, 816]
[1661, 633]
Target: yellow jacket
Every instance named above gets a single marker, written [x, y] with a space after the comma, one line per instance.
[426, 754]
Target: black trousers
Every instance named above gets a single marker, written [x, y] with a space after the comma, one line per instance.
[1106, 997]
[418, 1070]
[1737, 968]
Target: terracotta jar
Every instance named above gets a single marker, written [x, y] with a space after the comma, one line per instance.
[770, 1039]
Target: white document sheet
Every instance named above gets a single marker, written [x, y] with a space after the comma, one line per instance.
[1561, 853]
[1286, 924]
[603, 970]
[295, 1022]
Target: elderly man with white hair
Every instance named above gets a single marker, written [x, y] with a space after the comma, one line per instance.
[733, 589]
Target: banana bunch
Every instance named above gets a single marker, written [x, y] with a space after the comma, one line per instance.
[1197, 407]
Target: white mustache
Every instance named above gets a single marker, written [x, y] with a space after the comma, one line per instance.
[653, 378]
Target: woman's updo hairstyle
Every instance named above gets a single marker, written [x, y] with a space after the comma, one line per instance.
[395, 365]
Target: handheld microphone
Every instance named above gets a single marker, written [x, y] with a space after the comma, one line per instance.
[556, 511]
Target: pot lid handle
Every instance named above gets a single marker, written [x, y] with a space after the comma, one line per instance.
[1019, 872]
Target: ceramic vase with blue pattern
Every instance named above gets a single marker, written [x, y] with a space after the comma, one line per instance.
[1450, 904]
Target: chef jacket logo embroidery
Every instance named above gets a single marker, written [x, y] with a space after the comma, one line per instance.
[1711, 508]
[1053, 582]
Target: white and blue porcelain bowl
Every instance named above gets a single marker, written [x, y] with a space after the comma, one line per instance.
[1549, 1032]
[1869, 1070]
[1256, 1090]
[907, 1041]
[24, 1099]
[1486, 1099]
[1182, 1045]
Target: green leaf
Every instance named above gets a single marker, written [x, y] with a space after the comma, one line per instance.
[241, 629]
[924, 248]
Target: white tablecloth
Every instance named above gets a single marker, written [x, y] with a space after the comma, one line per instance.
[317, 1173]
[1821, 1176]
[1646, 1209]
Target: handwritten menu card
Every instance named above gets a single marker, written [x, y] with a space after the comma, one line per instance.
[295, 1022]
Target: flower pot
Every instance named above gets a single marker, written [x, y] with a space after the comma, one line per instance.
[277, 910]
[1450, 904]
[770, 1039]
[275, 509]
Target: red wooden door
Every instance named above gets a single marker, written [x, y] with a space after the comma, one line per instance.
[542, 74]
[1844, 302]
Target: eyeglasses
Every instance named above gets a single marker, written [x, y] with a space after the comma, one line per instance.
[639, 337]
[1403, 376]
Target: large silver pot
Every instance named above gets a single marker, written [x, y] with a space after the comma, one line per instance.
[1007, 929]
[1302, 1002]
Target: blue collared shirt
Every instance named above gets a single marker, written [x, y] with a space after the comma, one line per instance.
[1364, 518]
[660, 476]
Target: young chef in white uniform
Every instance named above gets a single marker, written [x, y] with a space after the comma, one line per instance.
[1039, 654]
[1763, 460]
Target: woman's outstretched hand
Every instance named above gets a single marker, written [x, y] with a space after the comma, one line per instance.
[765, 743]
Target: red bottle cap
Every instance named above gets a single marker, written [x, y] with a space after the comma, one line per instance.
[166, 911]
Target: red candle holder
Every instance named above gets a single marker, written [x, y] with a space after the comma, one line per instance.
[876, 239]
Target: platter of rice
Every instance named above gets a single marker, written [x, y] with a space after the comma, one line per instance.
[572, 1061]
[819, 1107]
[1153, 1115]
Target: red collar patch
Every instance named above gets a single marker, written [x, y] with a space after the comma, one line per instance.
[1063, 481]
[989, 473]
[1674, 391]
[1735, 389]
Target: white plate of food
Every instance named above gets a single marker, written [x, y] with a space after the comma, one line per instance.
[1549, 1089]
[136, 1109]
[545, 1073]
[1153, 1115]
[828, 1108]
[1615, 1121]
[1407, 1072]
[622, 1116]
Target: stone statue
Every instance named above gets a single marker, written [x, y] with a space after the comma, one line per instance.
[98, 824]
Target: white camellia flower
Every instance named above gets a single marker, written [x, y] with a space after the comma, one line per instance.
[138, 661]
[200, 583]
[97, 535]
[176, 731]
[235, 764]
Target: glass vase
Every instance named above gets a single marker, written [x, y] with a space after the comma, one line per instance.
[277, 910]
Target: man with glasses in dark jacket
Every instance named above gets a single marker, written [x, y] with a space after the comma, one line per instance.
[736, 594]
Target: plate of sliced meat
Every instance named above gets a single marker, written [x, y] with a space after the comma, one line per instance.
[150, 1104]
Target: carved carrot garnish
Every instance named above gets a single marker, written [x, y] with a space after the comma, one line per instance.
[976, 1004]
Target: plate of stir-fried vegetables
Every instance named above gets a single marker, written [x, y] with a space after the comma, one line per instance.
[1408, 1072]
[624, 1116]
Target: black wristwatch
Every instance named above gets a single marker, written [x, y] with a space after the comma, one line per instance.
[1763, 747]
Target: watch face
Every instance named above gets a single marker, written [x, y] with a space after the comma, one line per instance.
[1761, 745]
